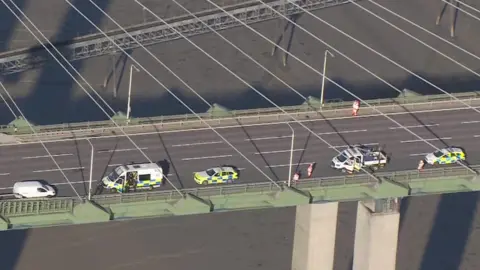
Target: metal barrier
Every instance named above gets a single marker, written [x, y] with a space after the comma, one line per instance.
[268, 187]
[17, 208]
[304, 108]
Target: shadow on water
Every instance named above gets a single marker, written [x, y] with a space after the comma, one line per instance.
[450, 232]
[38, 105]
[53, 73]
[7, 28]
[11, 247]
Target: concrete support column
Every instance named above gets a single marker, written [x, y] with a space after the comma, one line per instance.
[314, 239]
[376, 235]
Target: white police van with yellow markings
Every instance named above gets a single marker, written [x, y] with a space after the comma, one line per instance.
[133, 177]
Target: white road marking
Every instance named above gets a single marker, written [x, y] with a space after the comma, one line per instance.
[249, 125]
[121, 150]
[7, 173]
[434, 139]
[196, 158]
[476, 136]
[46, 156]
[242, 169]
[341, 146]
[417, 126]
[268, 138]
[278, 151]
[470, 122]
[63, 169]
[342, 132]
[286, 165]
[419, 154]
[199, 143]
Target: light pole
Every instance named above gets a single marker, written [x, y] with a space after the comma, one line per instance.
[324, 70]
[130, 90]
[291, 156]
[91, 172]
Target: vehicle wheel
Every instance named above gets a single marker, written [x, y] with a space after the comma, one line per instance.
[113, 190]
[204, 183]
[374, 168]
[50, 196]
[151, 187]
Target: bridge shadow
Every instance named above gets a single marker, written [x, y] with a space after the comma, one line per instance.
[450, 232]
[167, 163]
[11, 247]
[7, 30]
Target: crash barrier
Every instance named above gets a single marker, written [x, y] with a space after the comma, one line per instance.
[16, 214]
[222, 116]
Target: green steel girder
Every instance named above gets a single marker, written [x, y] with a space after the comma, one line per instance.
[35, 213]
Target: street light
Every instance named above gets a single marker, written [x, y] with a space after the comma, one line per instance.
[291, 156]
[324, 70]
[91, 172]
[130, 90]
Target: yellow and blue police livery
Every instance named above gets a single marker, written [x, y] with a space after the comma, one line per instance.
[445, 156]
[134, 177]
[218, 175]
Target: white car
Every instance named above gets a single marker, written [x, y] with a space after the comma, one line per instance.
[33, 189]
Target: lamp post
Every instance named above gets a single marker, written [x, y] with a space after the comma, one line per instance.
[324, 70]
[91, 172]
[291, 156]
[130, 90]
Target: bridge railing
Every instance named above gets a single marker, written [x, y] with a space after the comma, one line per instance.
[235, 114]
[18, 208]
[268, 187]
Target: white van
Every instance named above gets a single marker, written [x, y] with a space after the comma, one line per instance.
[32, 189]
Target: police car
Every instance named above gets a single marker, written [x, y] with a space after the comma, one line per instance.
[445, 156]
[217, 175]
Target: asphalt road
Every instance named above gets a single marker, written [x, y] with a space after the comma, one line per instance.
[267, 146]
[47, 95]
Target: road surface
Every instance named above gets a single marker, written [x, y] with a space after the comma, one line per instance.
[48, 94]
[267, 146]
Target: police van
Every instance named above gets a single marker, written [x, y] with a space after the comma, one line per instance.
[134, 177]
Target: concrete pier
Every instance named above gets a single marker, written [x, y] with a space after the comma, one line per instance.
[314, 237]
[376, 235]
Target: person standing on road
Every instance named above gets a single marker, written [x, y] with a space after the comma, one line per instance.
[356, 107]
[421, 164]
[310, 170]
[296, 176]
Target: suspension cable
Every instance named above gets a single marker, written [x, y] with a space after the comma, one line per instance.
[295, 57]
[79, 84]
[417, 39]
[246, 83]
[41, 141]
[173, 94]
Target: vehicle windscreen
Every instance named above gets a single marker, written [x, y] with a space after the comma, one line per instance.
[341, 158]
[438, 154]
[115, 174]
[210, 172]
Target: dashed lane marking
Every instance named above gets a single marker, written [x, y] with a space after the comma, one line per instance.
[46, 156]
[428, 140]
[278, 151]
[417, 126]
[286, 165]
[121, 150]
[207, 157]
[198, 143]
[63, 169]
